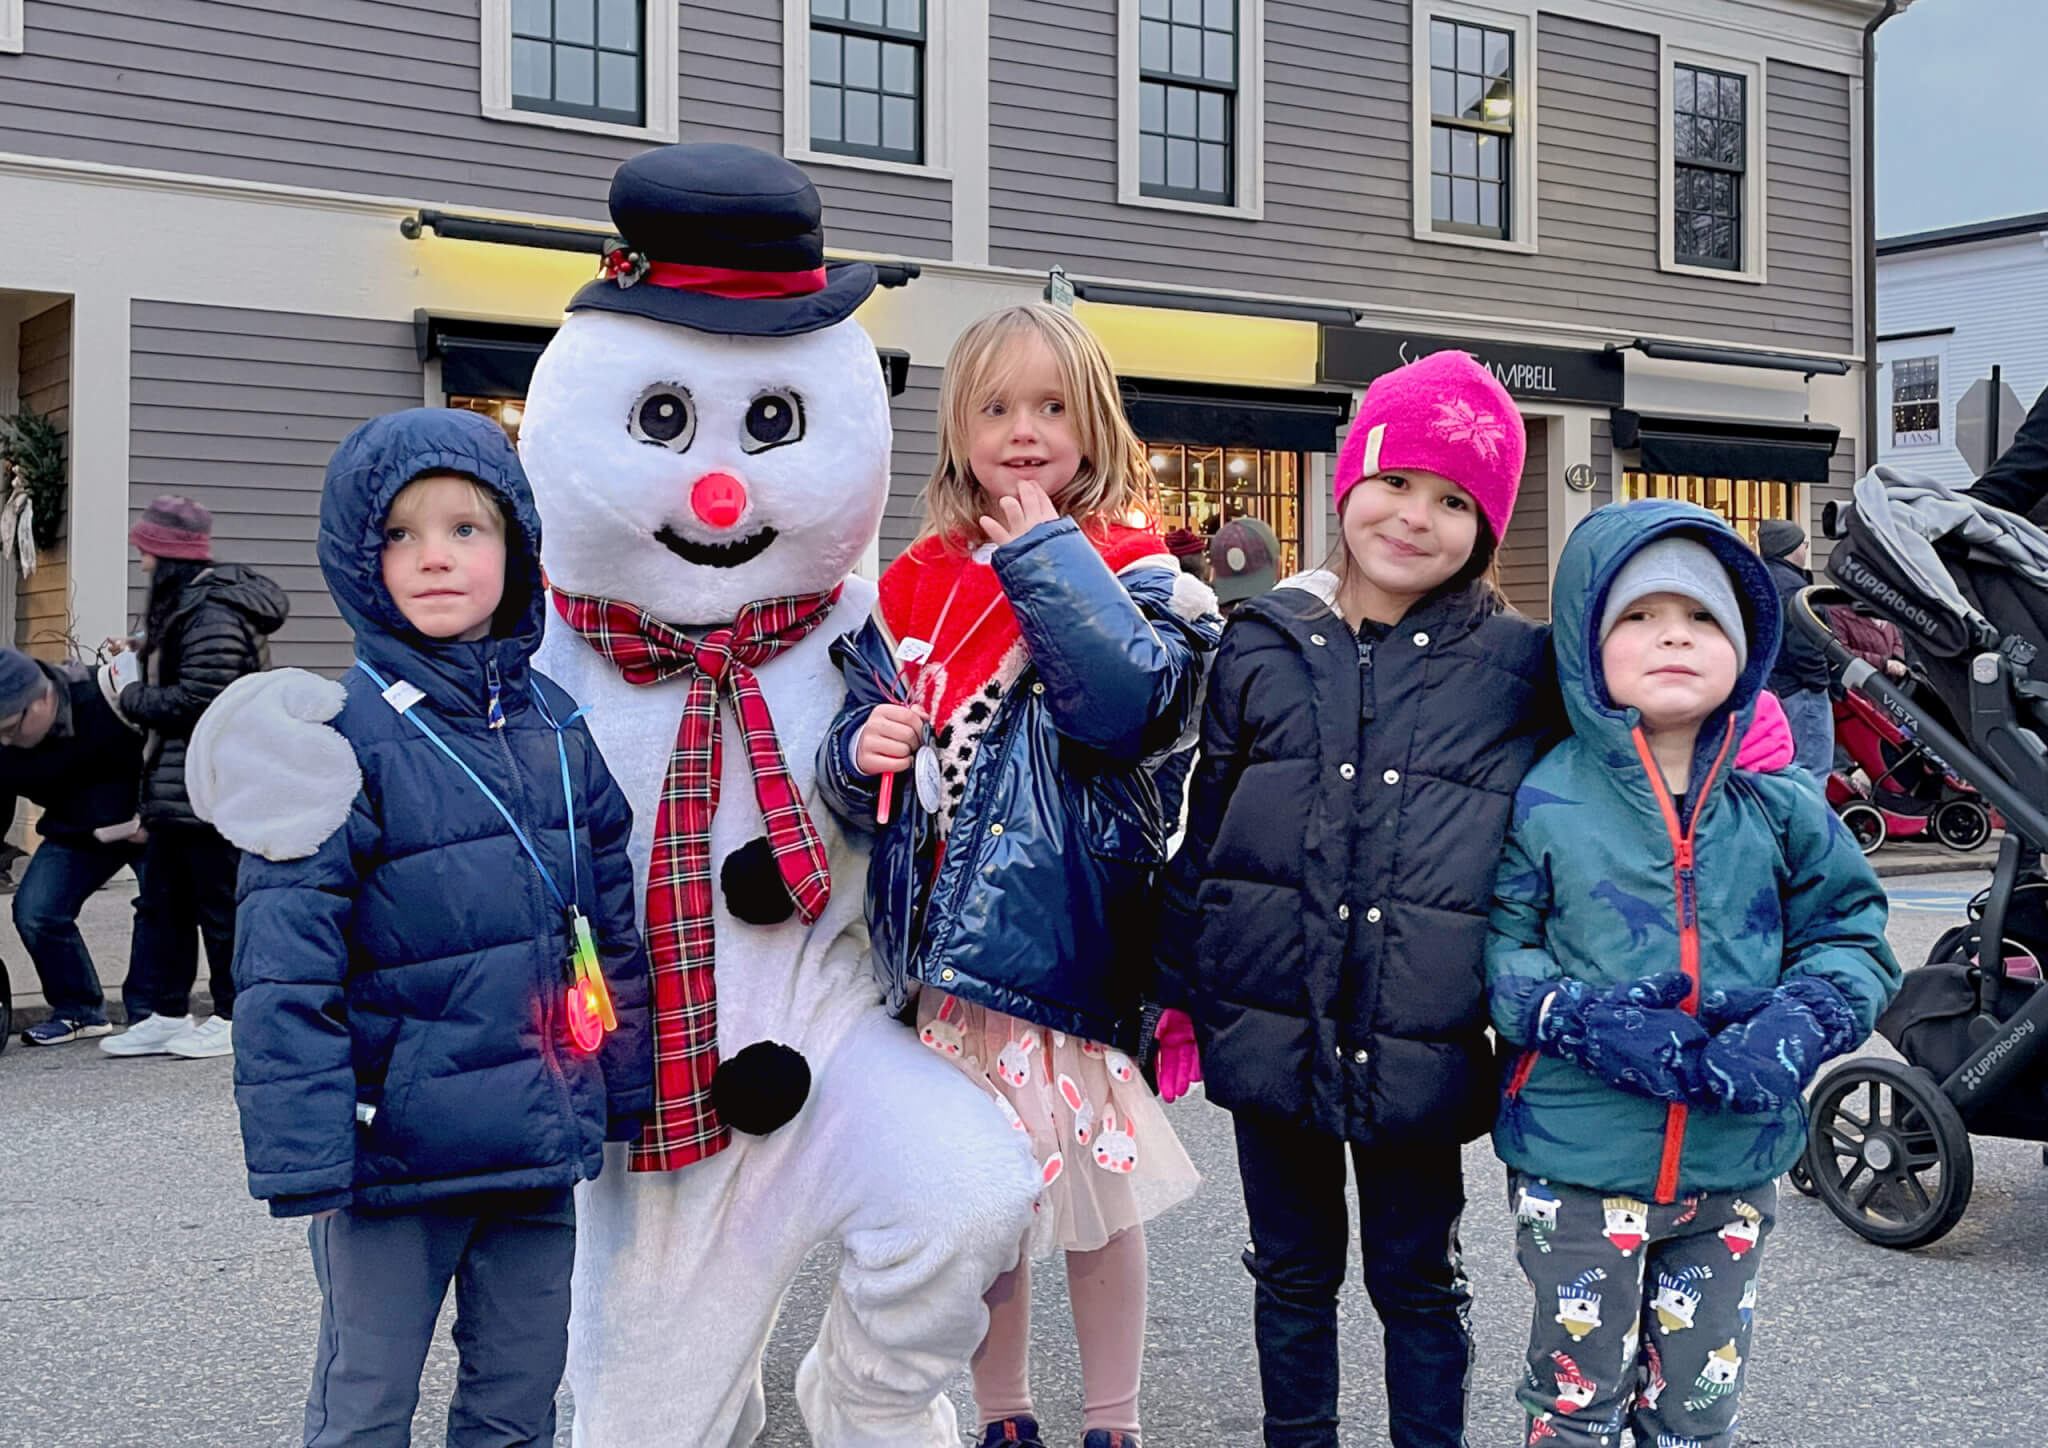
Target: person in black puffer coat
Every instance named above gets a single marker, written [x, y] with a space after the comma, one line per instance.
[1365, 731]
[207, 625]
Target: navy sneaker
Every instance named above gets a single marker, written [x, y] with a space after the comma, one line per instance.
[1109, 1438]
[1013, 1432]
[56, 1031]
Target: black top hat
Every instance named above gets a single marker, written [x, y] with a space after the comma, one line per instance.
[722, 238]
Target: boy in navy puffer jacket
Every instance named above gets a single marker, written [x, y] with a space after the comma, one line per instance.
[417, 1071]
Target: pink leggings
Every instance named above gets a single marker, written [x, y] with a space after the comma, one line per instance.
[1106, 1288]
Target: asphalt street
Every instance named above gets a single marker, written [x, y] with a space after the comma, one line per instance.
[144, 1299]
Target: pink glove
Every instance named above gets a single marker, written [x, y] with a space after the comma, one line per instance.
[1767, 747]
[1180, 1065]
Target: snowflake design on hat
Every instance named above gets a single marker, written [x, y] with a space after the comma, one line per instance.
[1578, 1305]
[1457, 420]
[1717, 1378]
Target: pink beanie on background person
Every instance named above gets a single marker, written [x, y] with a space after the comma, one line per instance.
[1442, 414]
[174, 527]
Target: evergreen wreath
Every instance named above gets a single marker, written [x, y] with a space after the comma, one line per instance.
[32, 447]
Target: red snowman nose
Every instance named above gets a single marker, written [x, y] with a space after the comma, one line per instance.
[719, 499]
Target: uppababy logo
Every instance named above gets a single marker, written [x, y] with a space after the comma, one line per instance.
[1854, 572]
[1973, 1077]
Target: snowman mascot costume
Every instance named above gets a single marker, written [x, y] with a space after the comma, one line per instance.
[708, 441]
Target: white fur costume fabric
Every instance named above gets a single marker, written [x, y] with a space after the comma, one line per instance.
[680, 1275]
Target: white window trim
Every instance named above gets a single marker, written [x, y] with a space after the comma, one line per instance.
[1518, 19]
[659, 47]
[1251, 117]
[938, 96]
[1908, 349]
[1755, 223]
[13, 29]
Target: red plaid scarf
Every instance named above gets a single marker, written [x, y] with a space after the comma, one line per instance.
[680, 939]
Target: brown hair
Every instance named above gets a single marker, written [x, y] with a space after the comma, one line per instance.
[1111, 478]
[1483, 565]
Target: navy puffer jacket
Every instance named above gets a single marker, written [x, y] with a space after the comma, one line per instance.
[411, 971]
[1044, 904]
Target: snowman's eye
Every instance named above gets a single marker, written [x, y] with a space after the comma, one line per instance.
[664, 417]
[775, 418]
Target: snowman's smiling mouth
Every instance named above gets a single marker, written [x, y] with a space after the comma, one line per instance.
[716, 555]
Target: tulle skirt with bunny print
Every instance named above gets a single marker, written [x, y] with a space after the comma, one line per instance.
[1106, 1152]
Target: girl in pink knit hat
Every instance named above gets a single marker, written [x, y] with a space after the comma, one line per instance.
[1365, 729]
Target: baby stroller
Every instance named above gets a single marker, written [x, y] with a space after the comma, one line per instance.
[1889, 1149]
[1907, 791]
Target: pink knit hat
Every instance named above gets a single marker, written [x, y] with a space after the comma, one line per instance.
[174, 527]
[1443, 414]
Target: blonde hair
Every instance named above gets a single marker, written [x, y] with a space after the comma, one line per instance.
[1112, 475]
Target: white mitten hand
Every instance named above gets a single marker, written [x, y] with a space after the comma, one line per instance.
[125, 668]
[266, 769]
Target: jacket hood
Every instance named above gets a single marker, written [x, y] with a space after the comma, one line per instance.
[1592, 556]
[368, 470]
[257, 597]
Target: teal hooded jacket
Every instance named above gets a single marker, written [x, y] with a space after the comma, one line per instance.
[1750, 882]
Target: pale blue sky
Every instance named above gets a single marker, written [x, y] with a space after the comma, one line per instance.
[1962, 125]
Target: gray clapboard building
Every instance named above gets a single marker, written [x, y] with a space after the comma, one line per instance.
[232, 229]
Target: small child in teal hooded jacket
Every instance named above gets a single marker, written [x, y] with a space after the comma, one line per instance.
[1676, 945]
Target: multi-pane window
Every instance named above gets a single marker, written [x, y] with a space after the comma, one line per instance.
[1916, 401]
[1472, 127]
[1709, 159]
[1202, 488]
[1187, 99]
[867, 78]
[1746, 504]
[580, 58]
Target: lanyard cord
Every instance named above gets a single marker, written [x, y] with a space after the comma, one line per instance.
[568, 795]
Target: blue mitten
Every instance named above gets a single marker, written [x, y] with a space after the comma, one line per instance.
[1761, 1061]
[1631, 1036]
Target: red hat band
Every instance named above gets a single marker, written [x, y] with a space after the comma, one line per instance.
[631, 268]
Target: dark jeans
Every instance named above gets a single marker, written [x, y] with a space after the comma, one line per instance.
[188, 893]
[1409, 1201]
[383, 1277]
[61, 877]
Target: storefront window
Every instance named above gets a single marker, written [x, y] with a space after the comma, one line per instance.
[1202, 488]
[506, 412]
[1743, 503]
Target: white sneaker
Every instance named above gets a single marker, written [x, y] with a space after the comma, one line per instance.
[211, 1037]
[149, 1037]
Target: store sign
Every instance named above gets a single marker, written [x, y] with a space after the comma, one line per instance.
[1355, 356]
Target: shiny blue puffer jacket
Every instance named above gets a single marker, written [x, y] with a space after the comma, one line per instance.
[1043, 906]
[399, 1031]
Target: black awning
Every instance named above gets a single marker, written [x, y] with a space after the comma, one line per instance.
[1251, 417]
[496, 359]
[1726, 447]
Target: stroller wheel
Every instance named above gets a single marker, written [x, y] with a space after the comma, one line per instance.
[1802, 1179]
[1888, 1153]
[1962, 824]
[1866, 824]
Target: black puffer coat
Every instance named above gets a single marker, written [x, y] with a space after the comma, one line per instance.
[1325, 919]
[215, 632]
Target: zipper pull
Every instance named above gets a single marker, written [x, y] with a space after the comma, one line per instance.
[1682, 852]
[496, 708]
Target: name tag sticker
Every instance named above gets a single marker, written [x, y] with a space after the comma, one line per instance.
[402, 696]
[913, 651]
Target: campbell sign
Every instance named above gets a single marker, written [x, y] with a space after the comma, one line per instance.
[1354, 356]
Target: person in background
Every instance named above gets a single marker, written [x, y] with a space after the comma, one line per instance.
[1244, 562]
[63, 747]
[1192, 551]
[1800, 676]
[207, 625]
[2019, 479]
[1874, 640]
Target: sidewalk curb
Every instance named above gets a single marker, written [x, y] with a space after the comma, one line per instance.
[1918, 864]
